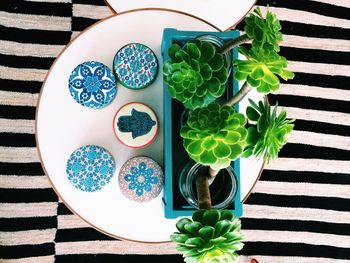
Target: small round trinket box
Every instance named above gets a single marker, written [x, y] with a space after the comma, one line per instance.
[92, 84]
[90, 168]
[135, 66]
[141, 179]
[135, 125]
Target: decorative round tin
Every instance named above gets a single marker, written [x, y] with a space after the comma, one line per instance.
[92, 84]
[141, 179]
[90, 168]
[135, 66]
[135, 125]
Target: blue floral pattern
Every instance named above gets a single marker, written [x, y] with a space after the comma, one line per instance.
[90, 168]
[141, 179]
[135, 66]
[92, 84]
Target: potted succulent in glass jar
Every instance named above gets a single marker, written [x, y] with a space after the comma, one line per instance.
[214, 133]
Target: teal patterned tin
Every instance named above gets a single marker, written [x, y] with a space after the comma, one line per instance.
[135, 66]
[92, 84]
[90, 168]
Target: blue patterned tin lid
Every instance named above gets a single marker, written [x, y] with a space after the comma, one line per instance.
[135, 125]
[141, 179]
[90, 168]
[92, 84]
[135, 66]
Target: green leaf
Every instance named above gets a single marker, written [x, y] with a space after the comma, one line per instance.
[198, 215]
[247, 152]
[233, 237]
[193, 227]
[209, 143]
[195, 64]
[257, 73]
[207, 52]
[232, 137]
[207, 158]
[195, 241]
[253, 82]
[226, 214]
[217, 62]
[180, 238]
[206, 71]
[222, 151]
[195, 148]
[236, 151]
[180, 225]
[193, 50]
[286, 74]
[252, 114]
[253, 136]
[172, 50]
[221, 75]
[211, 217]
[207, 232]
[222, 227]
[240, 76]
[182, 55]
[218, 240]
[271, 78]
[177, 77]
[214, 85]
[262, 123]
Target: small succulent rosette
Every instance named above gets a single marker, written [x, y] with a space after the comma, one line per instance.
[141, 179]
[92, 84]
[214, 135]
[196, 74]
[210, 236]
[90, 168]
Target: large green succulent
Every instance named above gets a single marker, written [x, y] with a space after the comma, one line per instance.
[262, 69]
[265, 32]
[210, 237]
[268, 136]
[196, 74]
[214, 135]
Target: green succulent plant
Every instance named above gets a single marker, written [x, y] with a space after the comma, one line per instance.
[210, 237]
[269, 134]
[196, 74]
[214, 135]
[262, 69]
[265, 32]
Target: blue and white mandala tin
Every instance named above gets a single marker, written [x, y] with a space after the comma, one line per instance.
[92, 84]
[90, 168]
[141, 179]
[135, 66]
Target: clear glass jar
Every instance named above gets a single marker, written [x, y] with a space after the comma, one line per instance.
[222, 190]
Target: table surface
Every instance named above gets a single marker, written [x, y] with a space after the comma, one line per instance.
[299, 211]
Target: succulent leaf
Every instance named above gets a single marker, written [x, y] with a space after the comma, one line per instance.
[262, 69]
[180, 225]
[193, 227]
[267, 137]
[265, 32]
[214, 135]
[195, 74]
[210, 244]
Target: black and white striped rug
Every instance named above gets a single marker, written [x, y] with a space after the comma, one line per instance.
[300, 209]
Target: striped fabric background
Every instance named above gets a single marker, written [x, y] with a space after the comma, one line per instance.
[300, 209]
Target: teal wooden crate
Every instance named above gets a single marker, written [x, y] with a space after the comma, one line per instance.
[175, 156]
